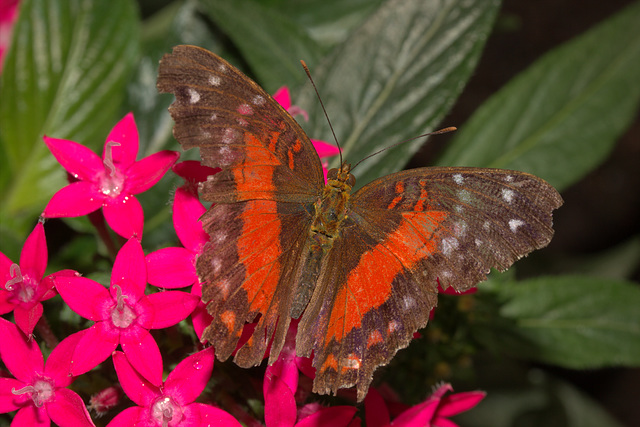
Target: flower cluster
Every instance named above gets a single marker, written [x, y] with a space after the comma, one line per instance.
[125, 313]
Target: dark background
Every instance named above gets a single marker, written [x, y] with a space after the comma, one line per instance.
[602, 210]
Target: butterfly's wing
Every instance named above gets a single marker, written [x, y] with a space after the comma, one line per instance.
[405, 233]
[263, 196]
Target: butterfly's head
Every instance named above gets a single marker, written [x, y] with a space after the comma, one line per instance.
[341, 177]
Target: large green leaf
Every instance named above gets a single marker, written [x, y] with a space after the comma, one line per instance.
[396, 77]
[270, 41]
[64, 77]
[571, 321]
[328, 22]
[560, 118]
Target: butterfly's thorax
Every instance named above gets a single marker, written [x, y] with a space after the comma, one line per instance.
[331, 208]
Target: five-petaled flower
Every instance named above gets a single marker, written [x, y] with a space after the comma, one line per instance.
[170, 403]
[433, 412]
[123, 314]
[24, 285]
[39, 392]
[109, 182]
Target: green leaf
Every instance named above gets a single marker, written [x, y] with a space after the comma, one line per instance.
[541, 401]
[64, 77]
[271, 43]
[396, 77]
[328, 22]
[573, 321]
[560, 118]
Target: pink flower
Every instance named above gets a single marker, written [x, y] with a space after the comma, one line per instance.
[174, 267]
[433, 412]
[280, 389]
[39, 392]
[109, 182]
[123, 314]
[323, 148]
[24, 286]
[172, 402]
[8, 16]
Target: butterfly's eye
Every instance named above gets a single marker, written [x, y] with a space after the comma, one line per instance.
[351, 181]
[332, 174]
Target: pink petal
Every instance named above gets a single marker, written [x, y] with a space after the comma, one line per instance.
[187, 211]
[325, 149]
[68, 409]
[201, 319]
[376, 412]
[459, 402]
[143, 353]
[279, 403]
[171, 268]
[211, 416]
[125, 217]
[32, 416]
[78, 160]
[335, 416]
[33, 259]
[26, 318]
[58, 365]
[125, 132]
[6, 304]
[143, 174]
[169, 308]
[86, 297]
[21, 356]
[283, 97]
[418, 415]
[9, 401]
[193, 171]
[189, 378]
[133, 416]
[130, 271]
[76, 199]
[443, 422]
[139, 390]
[96, 344]
[305, 365]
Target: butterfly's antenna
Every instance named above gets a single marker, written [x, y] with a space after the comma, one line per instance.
[437, 132]
[324, 110]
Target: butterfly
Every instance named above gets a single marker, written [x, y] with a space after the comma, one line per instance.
[360, 271]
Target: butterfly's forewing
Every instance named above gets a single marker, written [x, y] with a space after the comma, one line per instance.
[405, 233]
[270, 177]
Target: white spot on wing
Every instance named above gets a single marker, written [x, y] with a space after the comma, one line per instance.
[408, 302]
[449, 244]
[194, 96]
[514, 224]
[458, 179]
[393, 326]
[258, 100]
[508, 178]
[214, 80]
[507, 195]
[229, 136]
